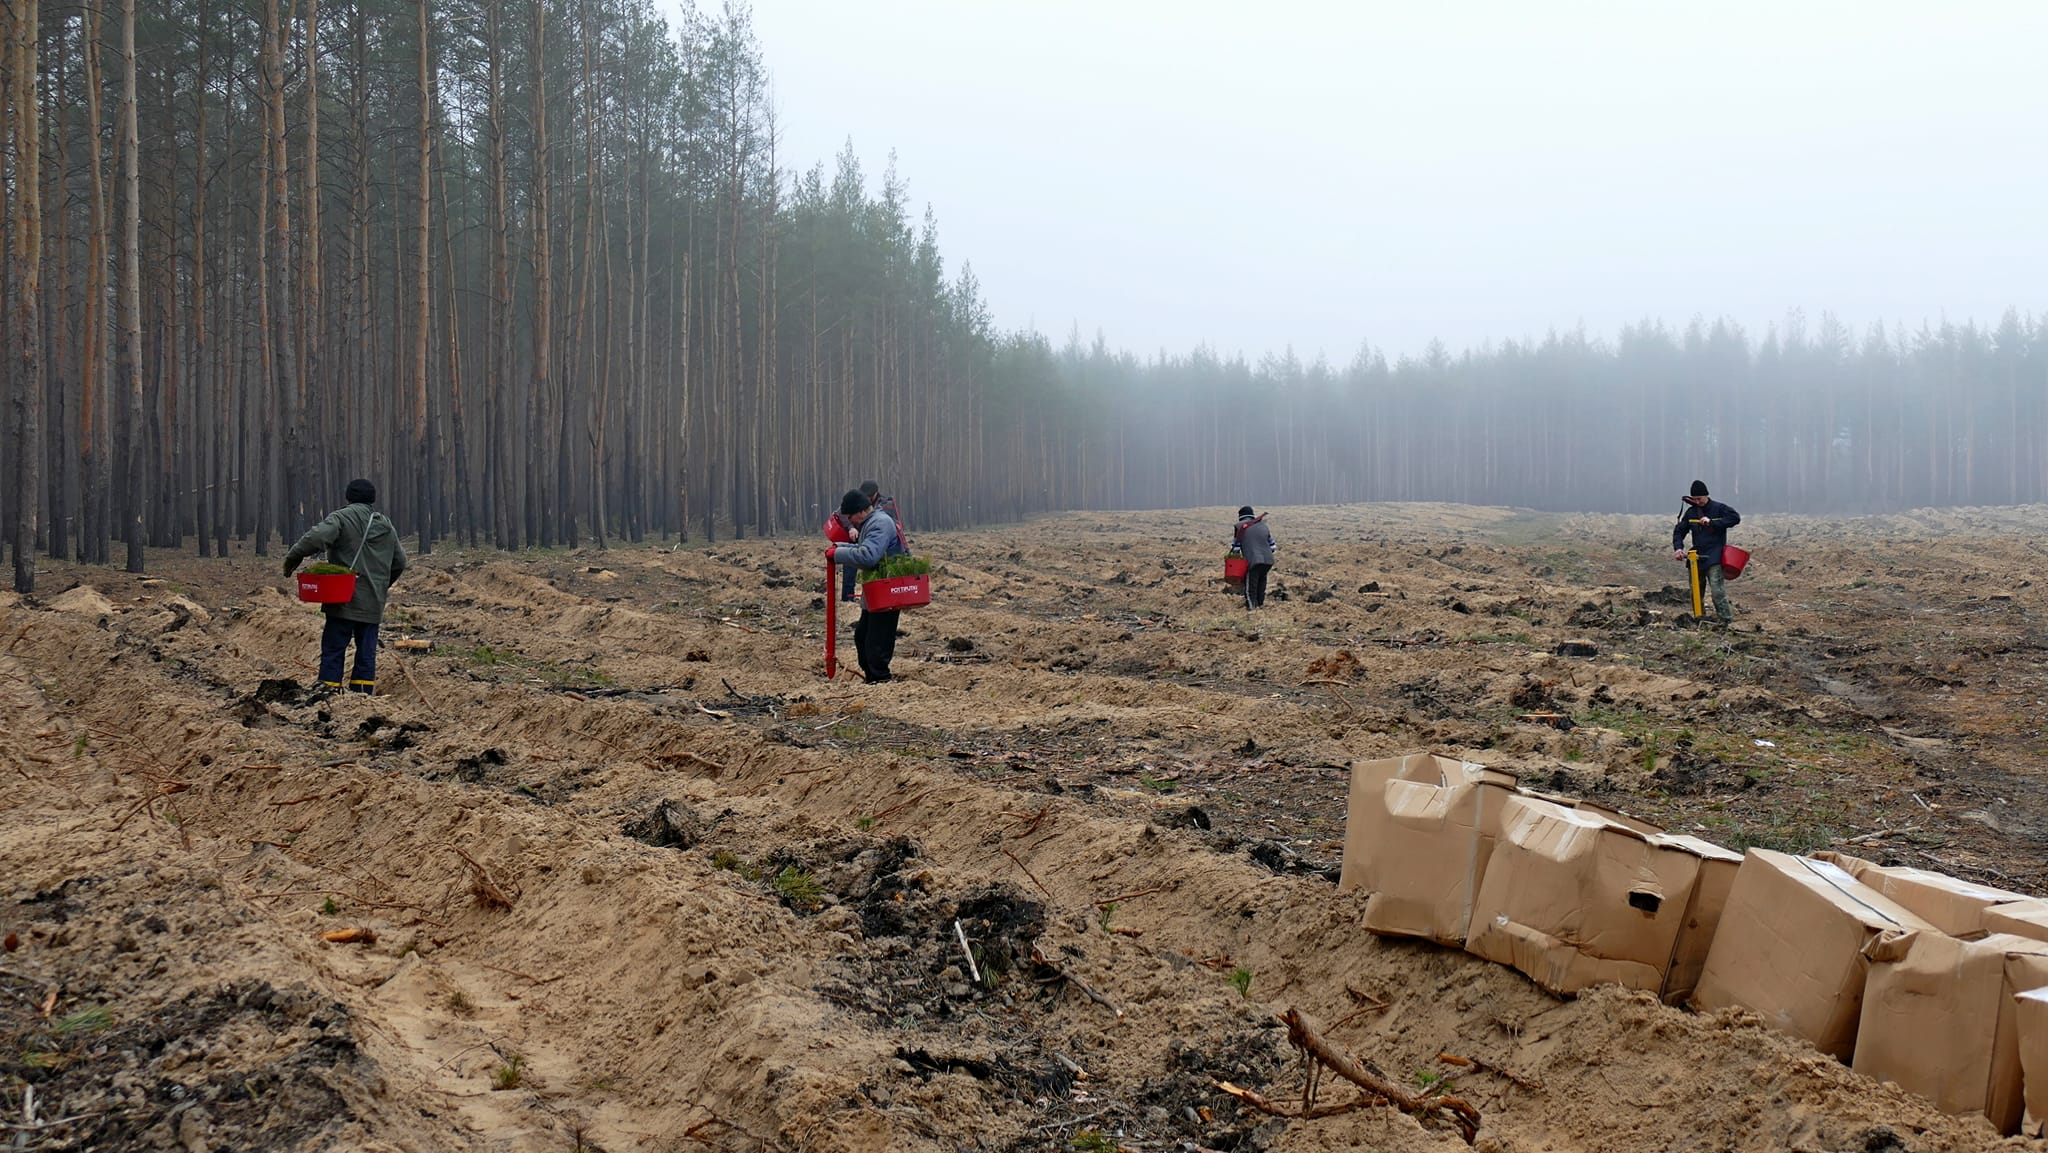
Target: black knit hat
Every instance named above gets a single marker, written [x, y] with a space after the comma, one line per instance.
[853, 503]
[361, 491]
[1699, 488]
[1245, 511]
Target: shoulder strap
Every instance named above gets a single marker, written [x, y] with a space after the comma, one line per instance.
[363, 543]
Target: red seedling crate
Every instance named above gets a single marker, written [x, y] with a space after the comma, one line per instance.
[904, 592]
[327, 588]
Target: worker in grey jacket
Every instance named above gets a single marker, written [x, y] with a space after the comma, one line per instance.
[874, 635]
[1255, 541]
[365, 540]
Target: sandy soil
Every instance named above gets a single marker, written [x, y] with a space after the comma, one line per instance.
[639, 878]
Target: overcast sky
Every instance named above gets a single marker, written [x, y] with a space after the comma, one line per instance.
[1254, 176]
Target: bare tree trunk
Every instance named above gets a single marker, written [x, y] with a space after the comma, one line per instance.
[498, 359]
[60, 460]
[93, 329]
[131, 285]
[464, 521]
[421, 460]
[584, 342]
[283, 346]
[539, 528]
[27, 252]
[201, 379]
[312, 322]
[361, 299]
[259, 461]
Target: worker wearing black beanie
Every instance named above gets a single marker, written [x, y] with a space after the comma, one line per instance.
[366, 541]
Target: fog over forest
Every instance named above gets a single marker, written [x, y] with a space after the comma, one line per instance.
[551, 274]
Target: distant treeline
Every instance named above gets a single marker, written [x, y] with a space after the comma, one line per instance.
[537, 269]
[1812, 418]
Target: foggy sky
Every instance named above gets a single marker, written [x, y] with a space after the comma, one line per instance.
[1259, 176]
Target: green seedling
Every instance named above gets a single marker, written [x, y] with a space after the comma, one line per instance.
[1108, 911]
[329, 907]
[507, 1076]
[1241, 980]
[864, 824]
[724, 859]
[78, 745]
[1094, 1141]
[1432, 1082]
[799, 887]
[1157, 784]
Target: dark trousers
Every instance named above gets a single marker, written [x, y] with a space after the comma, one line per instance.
[845, 582]
[334, 642]
[1255, 586]
[874, 639]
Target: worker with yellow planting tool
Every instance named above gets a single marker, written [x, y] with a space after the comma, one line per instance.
[1708, 520]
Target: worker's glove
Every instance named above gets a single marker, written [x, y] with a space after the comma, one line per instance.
[291, 565]
[831, 552]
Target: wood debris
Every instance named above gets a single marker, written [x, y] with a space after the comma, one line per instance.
[1321, 1055]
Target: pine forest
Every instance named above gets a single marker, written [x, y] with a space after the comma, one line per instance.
[542, 271]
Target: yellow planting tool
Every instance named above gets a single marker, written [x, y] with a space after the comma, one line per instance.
[1692, 565]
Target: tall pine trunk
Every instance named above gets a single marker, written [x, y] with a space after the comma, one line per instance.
[422, 459]
[131, 287]
[283, 345]
[27, 253]
[539, 526]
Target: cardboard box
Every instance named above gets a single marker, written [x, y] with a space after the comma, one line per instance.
[1954, 906]
[1791, 946]
[1419, 832]
[2028, 918]
[1718, 869]
[2031, 1020]
[1572, 898]
[1941, 1021]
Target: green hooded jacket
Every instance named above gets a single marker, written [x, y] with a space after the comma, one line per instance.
[359, 536]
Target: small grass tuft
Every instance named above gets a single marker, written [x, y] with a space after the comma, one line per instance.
[460, 1004]
[83, 1021]
[1094, 1141]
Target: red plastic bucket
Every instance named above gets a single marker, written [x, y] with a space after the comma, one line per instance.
[836, 530]
[327, 588]
[1235, 568]
[1733, 561]
[904, 592]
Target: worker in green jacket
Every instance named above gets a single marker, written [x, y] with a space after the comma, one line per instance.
[365, 540]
